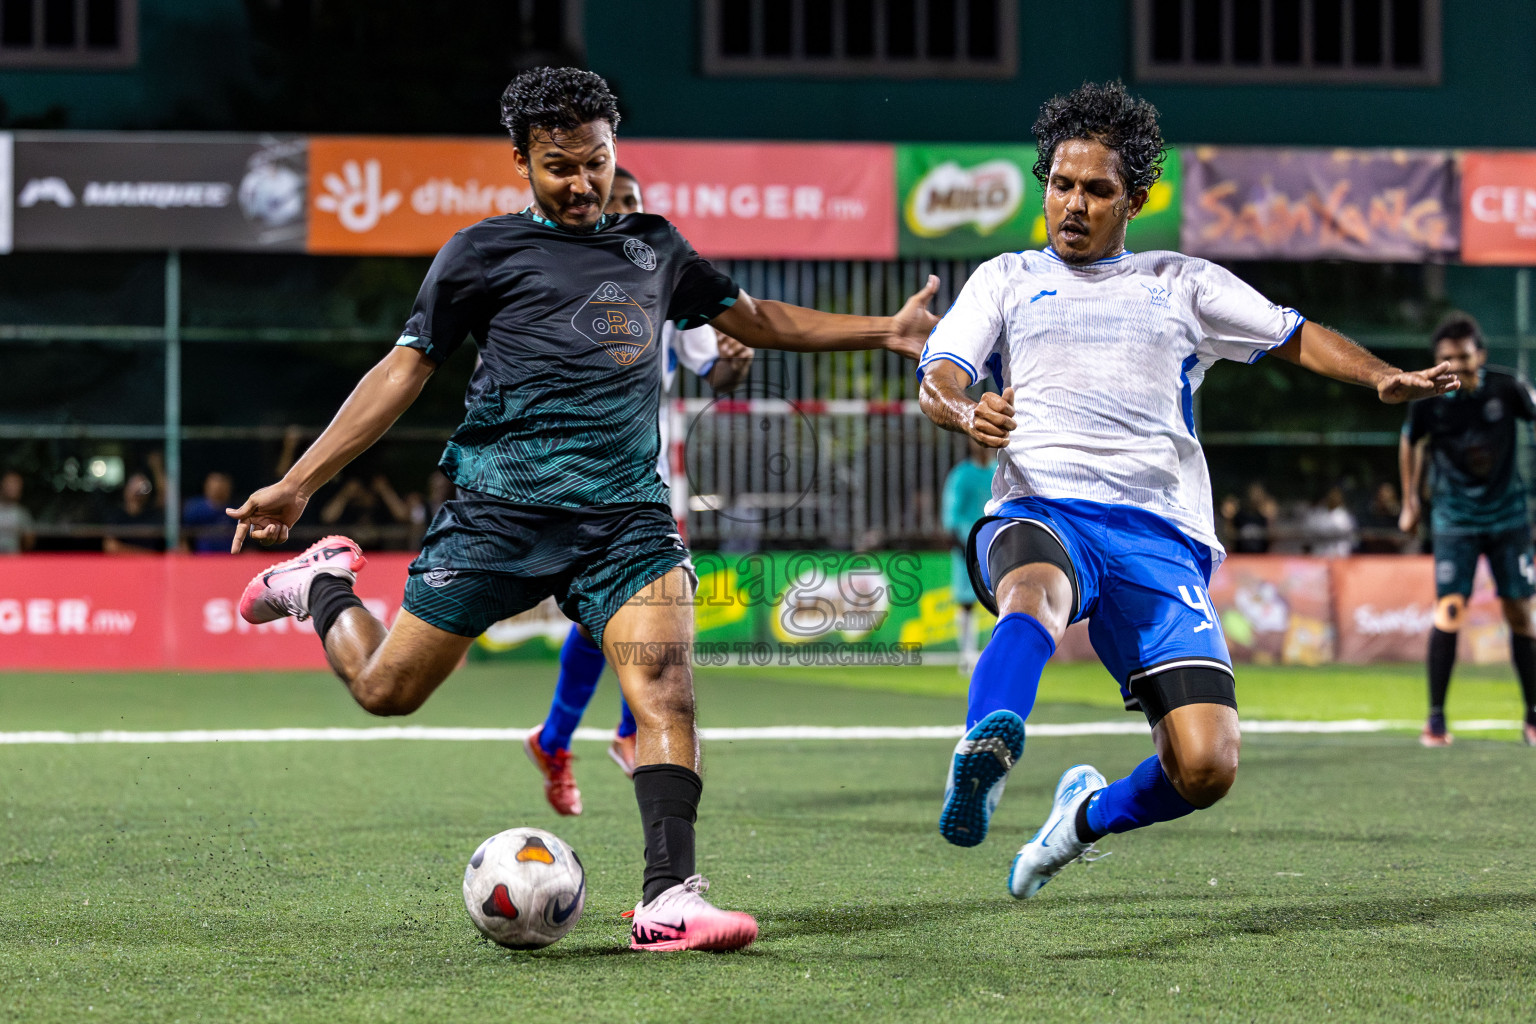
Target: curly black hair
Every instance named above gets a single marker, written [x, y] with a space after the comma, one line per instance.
[1109, 114]
[555, 99]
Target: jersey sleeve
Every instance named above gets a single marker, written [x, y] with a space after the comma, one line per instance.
[1239, 323]
[701, 291]
[698, 349]
[452, 303]
[1416, 423]
[968, 333]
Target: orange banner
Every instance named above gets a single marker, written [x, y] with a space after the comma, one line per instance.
[1385, 606]
[1498, 208]
[405, 196]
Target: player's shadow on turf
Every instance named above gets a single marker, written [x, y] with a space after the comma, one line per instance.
[1310, 916]
[864, 917]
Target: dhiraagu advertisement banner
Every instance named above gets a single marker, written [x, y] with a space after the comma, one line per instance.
[975, 201]
[808, 608]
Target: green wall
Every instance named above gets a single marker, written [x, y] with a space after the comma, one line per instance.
[1489, 55]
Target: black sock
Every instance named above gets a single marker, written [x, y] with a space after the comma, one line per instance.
[668, 795]
[1442, 658]
[1523, 652]
[1085, 832]
[329, 596]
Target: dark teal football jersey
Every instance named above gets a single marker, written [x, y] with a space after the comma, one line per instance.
[562, 409]
[1475, 482]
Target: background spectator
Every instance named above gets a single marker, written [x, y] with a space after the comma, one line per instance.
[140, 508]
[15, 521]
[367, 511]
[1249, 521]
[1379, 534]
[1331, 526]
[206, 527]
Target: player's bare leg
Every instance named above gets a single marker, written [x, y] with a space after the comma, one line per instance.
[388, 671]
[1522, 644]
[1198, 747]
[391, 671]
[649, 642]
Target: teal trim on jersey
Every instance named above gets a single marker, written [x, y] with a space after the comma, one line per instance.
[533, 213]
[407, 339]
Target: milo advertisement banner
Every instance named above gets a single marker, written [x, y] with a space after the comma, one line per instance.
[975, 201]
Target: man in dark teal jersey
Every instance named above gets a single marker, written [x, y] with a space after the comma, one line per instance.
[555, 464]
[1478, 509]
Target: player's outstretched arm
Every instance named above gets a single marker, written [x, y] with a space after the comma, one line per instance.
[1329, 353]
[764, 323]
[380, 397]
[943, 400]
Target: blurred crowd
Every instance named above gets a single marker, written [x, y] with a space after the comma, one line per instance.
[130, 518]
[1343, 521]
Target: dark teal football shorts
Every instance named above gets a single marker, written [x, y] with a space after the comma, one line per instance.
[1509, 559]
[485, 559]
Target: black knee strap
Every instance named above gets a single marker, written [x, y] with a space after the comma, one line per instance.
[1021, 542]
[1156, 692]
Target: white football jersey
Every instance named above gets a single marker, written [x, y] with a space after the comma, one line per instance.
[1104, 361]
[696, 348]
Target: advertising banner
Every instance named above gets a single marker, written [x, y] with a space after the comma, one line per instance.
[1386, 604]
[1498, 208]
[6, 148]
[1275, 609]
[772, 200]
[115, 191]
[393, 196]
[1375, 205]
[976, 201]
[155, 612]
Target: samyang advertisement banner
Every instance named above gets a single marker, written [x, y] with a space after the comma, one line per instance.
[118, 191]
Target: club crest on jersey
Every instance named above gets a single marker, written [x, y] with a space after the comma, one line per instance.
[1158, 294]
[615, 323]
[640, 254]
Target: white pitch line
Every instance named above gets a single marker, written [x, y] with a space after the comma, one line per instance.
[776, 732]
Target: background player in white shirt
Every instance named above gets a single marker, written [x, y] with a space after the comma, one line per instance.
[722, 361]
[1101, 505]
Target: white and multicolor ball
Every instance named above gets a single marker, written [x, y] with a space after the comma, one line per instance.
[524, 888]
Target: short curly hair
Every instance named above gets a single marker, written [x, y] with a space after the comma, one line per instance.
[1108, 114]
[1455, 327]
[555, 99]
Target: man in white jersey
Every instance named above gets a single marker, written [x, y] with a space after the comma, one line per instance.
[1101, 506]
[722, 361]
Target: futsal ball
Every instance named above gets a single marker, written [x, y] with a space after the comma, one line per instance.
[524, 888]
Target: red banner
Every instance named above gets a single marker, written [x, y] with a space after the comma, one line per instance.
[1275, 609]
[154, 612]
[1498, 208]
[772, 200]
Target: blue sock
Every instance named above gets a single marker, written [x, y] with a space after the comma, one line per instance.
[581, 665]
[1008, 672]
[1141, 798]
[627, 725]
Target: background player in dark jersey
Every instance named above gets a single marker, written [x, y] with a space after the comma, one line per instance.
[555, 465]
[1478, 508]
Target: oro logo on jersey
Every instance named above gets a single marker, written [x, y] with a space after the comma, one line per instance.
[615, 323]
[640, 254]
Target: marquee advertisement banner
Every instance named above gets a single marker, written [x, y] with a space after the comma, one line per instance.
[1376, 205]
[1498, 208]
[121, 191]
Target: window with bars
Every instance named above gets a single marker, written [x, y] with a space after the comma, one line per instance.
[861, 38]
[69, 33]
[1381, 42]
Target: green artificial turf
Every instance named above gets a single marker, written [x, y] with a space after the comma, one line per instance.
[1346, 877]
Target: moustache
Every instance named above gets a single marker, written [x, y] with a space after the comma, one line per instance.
[590, 197]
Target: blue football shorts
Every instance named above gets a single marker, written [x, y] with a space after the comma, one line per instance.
[1142, 585]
